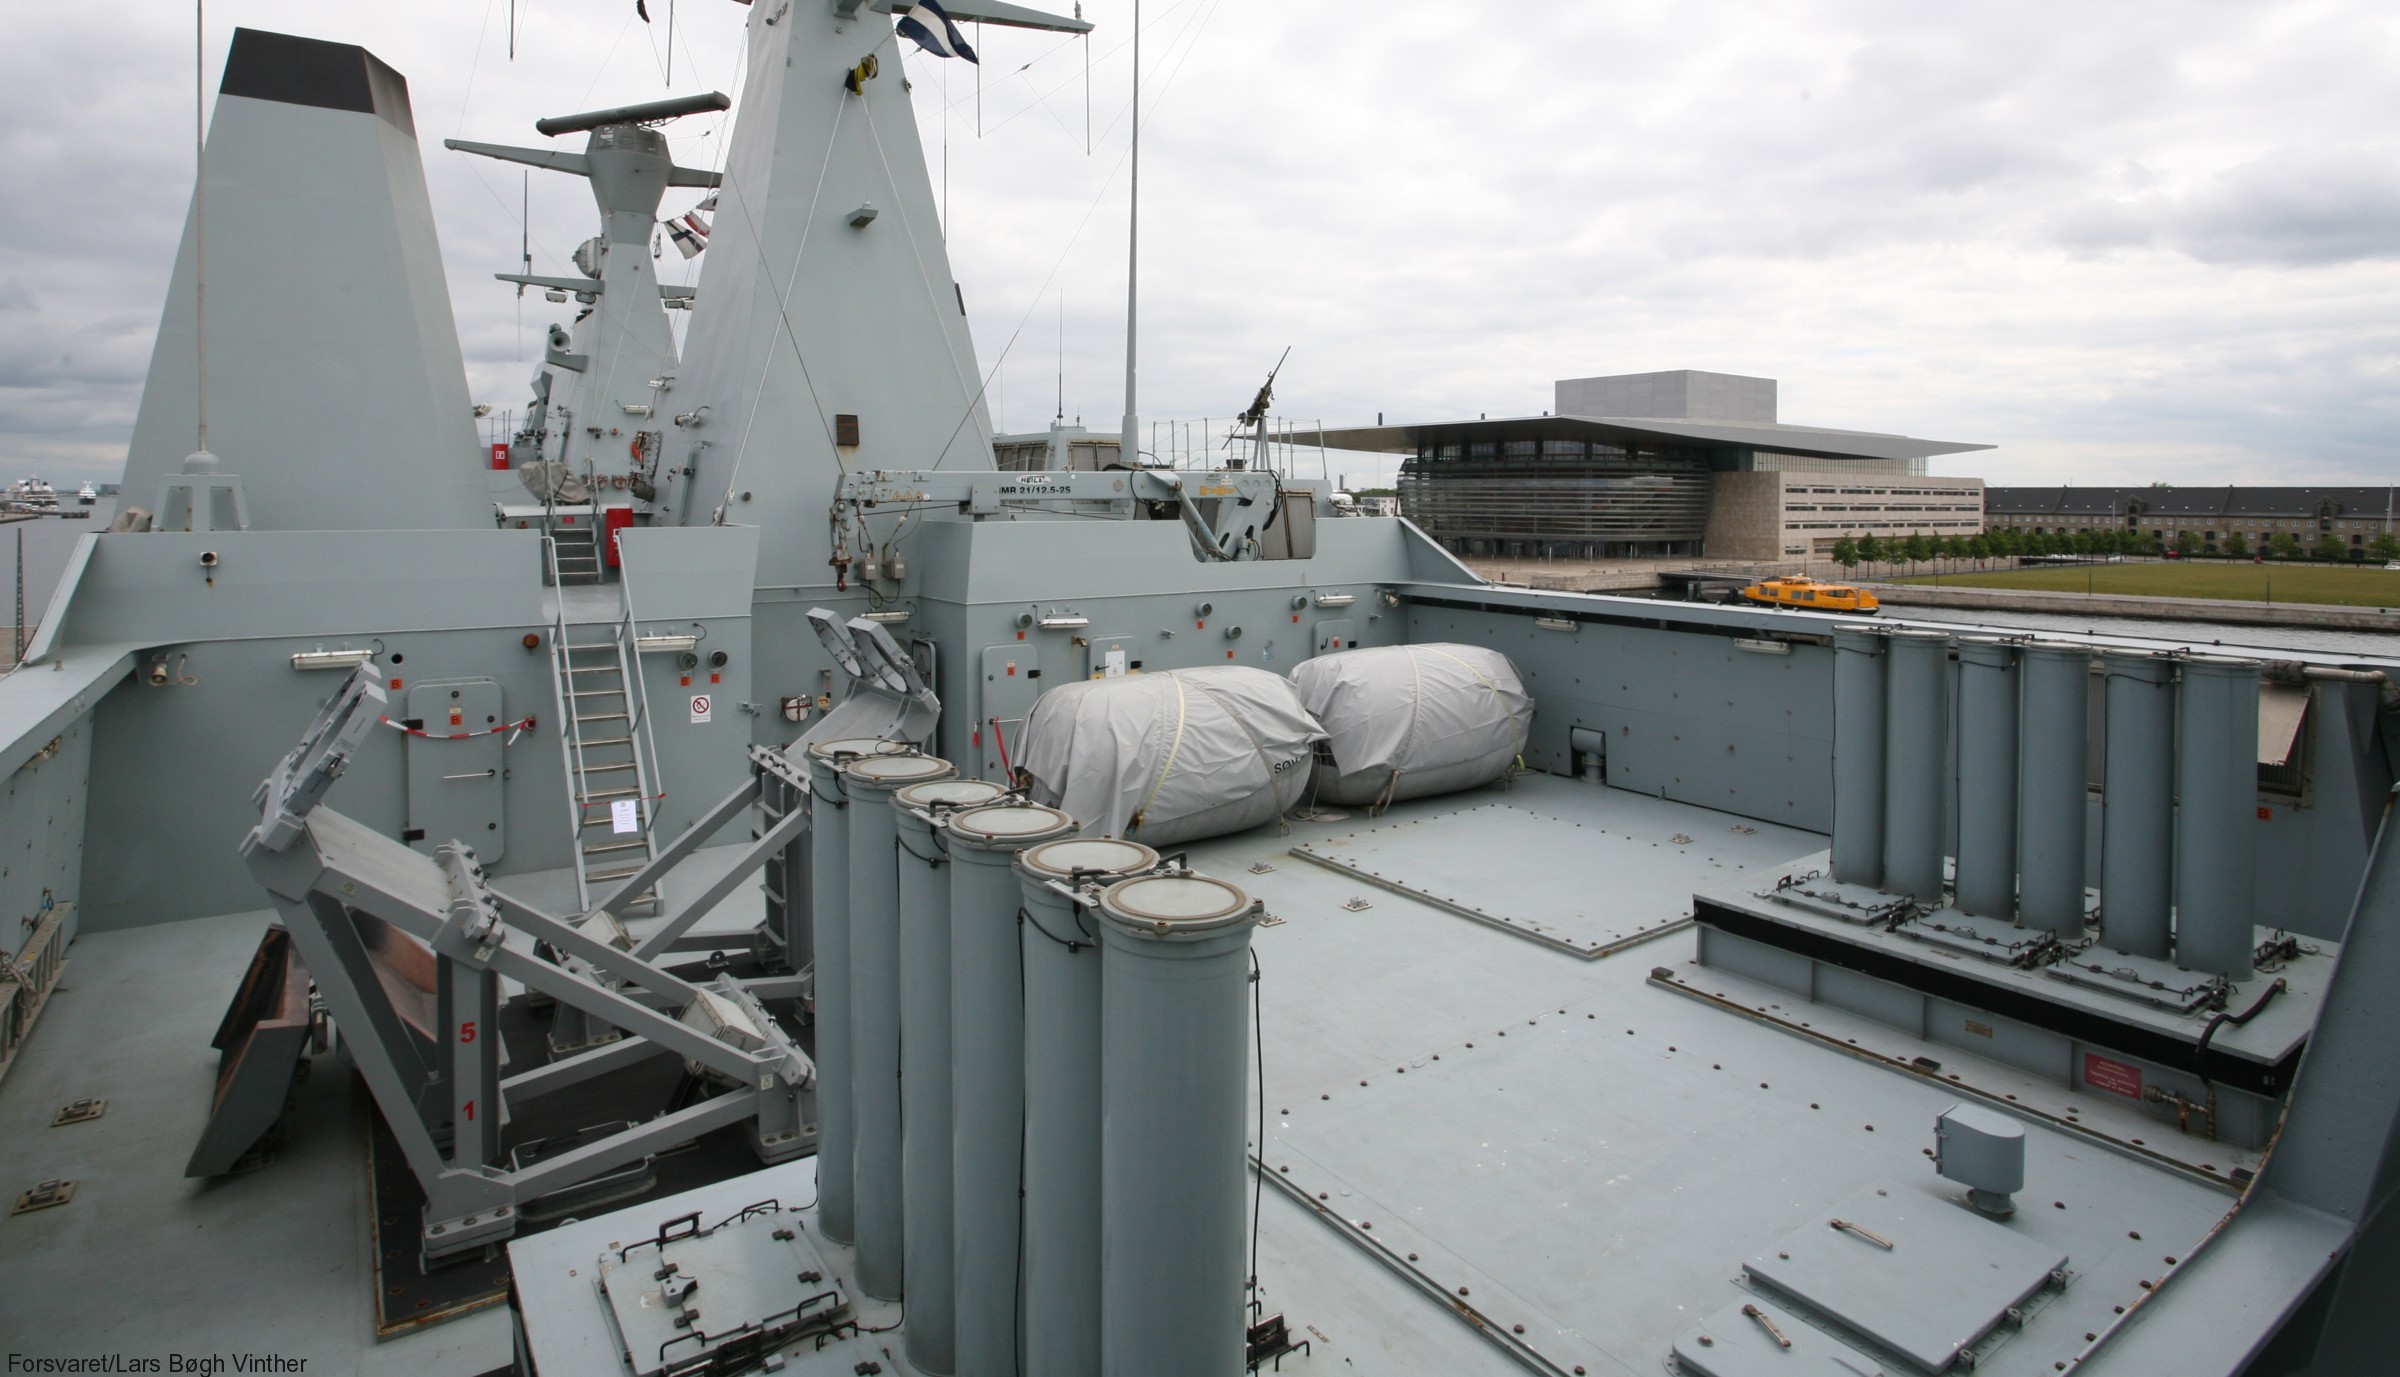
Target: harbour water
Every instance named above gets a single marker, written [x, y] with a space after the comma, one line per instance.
[48, 541]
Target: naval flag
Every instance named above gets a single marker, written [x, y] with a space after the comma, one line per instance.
[934, 31]
[689, 233]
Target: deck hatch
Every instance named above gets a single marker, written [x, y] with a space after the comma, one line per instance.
[1921, 1277]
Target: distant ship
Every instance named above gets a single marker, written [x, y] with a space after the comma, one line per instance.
[1807, 595]
[87, 494]
[29, 495]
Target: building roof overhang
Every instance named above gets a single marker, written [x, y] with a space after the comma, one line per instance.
[1772, 438]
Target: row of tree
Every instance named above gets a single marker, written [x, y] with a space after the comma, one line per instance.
[2009, 543]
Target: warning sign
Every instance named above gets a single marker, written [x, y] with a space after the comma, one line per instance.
[2115, 1077]
[700, 707]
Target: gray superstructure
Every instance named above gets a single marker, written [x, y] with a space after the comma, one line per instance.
[1813, 994]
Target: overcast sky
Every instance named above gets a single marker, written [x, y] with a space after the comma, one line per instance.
[2133, 242]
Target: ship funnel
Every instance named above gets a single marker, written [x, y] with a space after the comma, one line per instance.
[335, 384]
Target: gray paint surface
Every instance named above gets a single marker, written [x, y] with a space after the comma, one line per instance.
[2216, 776]
[987, 1067]
[1175, 1017]
[2137, 826]
[1063, 1040]
[829, 888]
[1915, 762]
[332, 347]
[2053, 693]
[1987, 778]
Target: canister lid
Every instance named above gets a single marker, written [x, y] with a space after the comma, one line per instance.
[1004, 826]
[1171, 906]
[892, 771]
[947, 793]
[1091, 855]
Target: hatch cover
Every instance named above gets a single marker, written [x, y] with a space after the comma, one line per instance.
[752, 1284]
[1919, 1276]
[1577, 886]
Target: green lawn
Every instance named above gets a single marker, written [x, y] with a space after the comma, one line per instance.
[2369, 585]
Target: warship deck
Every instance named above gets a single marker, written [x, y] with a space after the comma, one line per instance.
[1499, 1138]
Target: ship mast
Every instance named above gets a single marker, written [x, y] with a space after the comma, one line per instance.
[1128, 452]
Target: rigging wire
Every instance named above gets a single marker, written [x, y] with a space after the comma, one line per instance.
[199, 219]
[1043, 291]
[783, 313]
[932, 299]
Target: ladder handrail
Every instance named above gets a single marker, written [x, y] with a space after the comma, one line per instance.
[570, 735]
[637, 717]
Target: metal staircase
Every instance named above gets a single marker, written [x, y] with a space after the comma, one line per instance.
[575, 558]
[596, 675]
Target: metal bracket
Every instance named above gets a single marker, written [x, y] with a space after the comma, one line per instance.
[53, 1192]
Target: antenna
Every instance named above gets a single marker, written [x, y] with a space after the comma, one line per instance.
[649, 112]
[1133, 243]
[200, 215]
[1062, 356]
[524, 236]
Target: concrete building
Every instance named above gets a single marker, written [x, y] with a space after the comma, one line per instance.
[1681, 463]
[2354, 517]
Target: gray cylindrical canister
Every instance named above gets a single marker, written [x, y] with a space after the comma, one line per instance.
[1858, 703]
[1987, 777]
[1175, 1020]
[920, 812]
[2053, 768]
[2216, 777]
[987, 1073]
[1062, 957]
[829, 910]
[875, 1013]
[2137, 804]
[1915, 762]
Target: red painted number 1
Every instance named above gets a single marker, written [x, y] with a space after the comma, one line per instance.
[470, 1109]
[466, 1031]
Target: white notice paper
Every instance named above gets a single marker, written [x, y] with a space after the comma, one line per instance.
[625, 815]
[1112, 665]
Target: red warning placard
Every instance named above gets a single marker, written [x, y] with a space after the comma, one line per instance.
[2115, 1077]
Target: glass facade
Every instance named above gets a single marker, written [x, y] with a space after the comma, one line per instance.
[1563, 498]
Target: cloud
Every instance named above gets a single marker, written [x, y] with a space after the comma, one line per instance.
[2294, 208]
[2155, 242]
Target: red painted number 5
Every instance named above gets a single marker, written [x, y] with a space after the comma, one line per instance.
[466, 1031]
